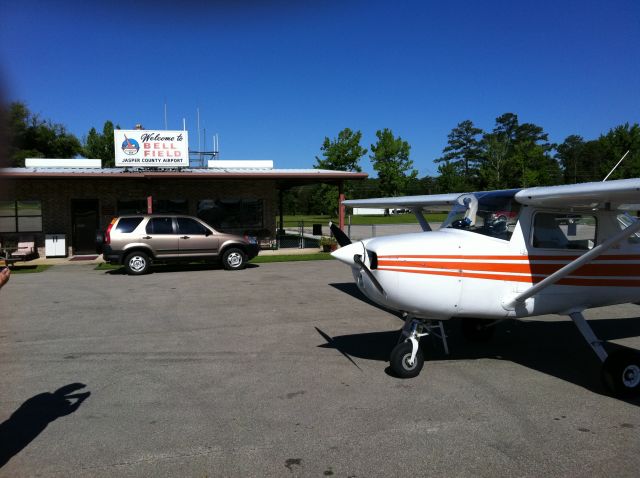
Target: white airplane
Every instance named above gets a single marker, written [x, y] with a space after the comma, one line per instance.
[506, 255]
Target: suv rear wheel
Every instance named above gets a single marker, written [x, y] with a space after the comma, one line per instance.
[137, 263]
[234, 259]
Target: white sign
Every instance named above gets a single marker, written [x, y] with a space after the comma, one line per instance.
[151, 148]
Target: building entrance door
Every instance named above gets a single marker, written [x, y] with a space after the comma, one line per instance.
[84, 218]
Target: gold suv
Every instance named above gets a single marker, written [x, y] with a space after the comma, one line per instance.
[137, 241]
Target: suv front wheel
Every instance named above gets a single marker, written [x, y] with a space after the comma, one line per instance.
[137, 263]
[234, 259]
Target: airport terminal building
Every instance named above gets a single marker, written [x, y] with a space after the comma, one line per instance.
[72, 199]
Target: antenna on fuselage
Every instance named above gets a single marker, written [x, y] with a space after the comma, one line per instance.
[617, 164]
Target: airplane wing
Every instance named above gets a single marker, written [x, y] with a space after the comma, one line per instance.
[430, 201]
[621, 194]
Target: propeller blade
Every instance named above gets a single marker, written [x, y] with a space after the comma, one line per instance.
[358, 260]
[341, 237]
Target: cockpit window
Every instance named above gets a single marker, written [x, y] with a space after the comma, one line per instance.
[624, 221]
[492, 214]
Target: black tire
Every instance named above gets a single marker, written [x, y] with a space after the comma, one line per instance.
[234, 259]
[621, 373]
[99, 242]
[476, 330]
[137, 263]
[399, 359]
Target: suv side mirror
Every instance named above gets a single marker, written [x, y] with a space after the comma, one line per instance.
[208, 232]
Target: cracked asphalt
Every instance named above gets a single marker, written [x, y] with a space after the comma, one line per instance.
[280, 370]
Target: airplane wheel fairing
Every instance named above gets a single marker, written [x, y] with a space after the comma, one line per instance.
[475, 330]
[400, 356]
[621, 372]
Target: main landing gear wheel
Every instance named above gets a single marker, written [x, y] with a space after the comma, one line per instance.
[476, 330]
[621, 373]
[401, 360]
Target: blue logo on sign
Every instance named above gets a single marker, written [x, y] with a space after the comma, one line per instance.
[130, 146]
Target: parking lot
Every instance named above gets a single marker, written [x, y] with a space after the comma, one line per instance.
[280, 370]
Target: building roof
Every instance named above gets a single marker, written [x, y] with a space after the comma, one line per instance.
[311, 175]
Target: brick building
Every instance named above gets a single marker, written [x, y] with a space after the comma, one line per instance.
[75, 202]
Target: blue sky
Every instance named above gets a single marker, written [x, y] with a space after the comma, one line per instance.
[273, 78]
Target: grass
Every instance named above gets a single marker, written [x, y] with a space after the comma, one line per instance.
[365, 220]
[29, 269]
[318, 256]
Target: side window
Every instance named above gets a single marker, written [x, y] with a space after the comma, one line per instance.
[564, 231]
[128, 224]
[160, 225]
[187, 225]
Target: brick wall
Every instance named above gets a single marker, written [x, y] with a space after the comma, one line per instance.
[56, 196]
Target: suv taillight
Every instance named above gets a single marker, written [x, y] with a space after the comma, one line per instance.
[107, 234]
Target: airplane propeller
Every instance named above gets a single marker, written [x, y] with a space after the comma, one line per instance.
[341, 237]
[344, 254]
[357, 258]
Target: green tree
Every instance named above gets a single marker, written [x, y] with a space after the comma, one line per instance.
[614, 145]
[584, 161]
[100, 145]
[339, 154]
[517, 154]
[30, 136]
[342, 153]
[462, 155]
[390, 159]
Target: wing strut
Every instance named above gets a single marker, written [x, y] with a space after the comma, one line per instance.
[577, 263]
[424, 224]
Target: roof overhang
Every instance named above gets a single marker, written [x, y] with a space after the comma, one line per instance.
[290, 176]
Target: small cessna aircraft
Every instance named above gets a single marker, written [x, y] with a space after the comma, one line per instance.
[502, 255]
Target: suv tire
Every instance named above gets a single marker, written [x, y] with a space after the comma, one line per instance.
[234, 259]
[137, 263]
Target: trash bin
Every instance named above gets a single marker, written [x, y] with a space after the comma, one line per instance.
[317, 229]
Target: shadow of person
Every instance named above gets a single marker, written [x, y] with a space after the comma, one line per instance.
[33, 416]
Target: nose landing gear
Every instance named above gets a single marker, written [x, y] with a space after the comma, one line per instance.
[406, 357]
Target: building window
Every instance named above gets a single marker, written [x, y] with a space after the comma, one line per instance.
[132, 206]
[225, 214]
[170, 206]
[20, 216]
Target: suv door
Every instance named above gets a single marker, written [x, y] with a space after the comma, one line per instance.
[161, 237]
[195, 239]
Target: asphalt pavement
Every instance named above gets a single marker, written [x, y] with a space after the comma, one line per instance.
[281, 370]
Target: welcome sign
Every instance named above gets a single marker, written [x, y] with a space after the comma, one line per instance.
[151, 148]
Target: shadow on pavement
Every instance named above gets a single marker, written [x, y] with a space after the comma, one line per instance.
[162, 268]
[554, 348]
[33, 416]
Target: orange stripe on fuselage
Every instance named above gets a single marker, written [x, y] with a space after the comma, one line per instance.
[533, 270]
[619, 270]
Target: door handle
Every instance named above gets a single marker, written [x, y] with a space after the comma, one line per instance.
[184, 237]
[147, 237]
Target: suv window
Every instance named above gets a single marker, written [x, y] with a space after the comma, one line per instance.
[160, 225]
[128, 224]
[187, 225]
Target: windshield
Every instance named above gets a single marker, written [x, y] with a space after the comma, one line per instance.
[492, 214]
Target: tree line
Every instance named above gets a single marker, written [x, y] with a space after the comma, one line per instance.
[34, 137]
[512, 154]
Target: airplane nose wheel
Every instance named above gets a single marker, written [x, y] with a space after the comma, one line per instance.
[407, 358]
[403, 362]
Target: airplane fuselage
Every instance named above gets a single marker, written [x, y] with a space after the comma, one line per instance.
[458, 273]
